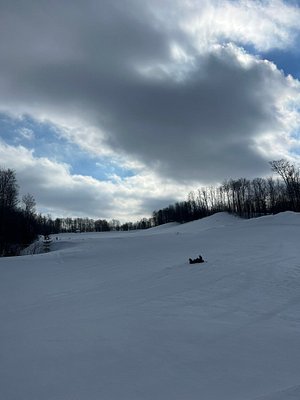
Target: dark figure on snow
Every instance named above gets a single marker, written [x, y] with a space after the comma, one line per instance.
[196, 260]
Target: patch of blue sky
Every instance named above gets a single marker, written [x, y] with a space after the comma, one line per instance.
[29, 133]
[249, 48]
[295, 3]
[286, 60]
[45, 140]
[295, 151]
[98, 168]
[295, 135]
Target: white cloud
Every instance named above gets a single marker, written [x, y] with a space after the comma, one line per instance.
[156, 86]
[264, 24]
[60, 193]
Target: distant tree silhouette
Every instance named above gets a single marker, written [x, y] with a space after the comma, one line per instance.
[244, 197]
[18, 226]
[290, 175]
[29, 204]
[9, 189]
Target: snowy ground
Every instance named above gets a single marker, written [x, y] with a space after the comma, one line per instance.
[123, 316]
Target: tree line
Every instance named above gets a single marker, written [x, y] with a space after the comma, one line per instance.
[63, 225]
[20, 225]
[243, 197]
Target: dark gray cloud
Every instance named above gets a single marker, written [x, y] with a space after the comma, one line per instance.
[89, 59]
[202, 128]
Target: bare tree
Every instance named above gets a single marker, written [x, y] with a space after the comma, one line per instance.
[291, 177]
[29, 204]
[8, 189]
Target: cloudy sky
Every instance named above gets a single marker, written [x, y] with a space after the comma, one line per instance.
[114, 108]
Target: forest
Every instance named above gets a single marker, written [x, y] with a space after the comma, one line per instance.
[20, 224]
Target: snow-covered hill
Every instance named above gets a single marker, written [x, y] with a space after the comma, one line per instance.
[122, 315]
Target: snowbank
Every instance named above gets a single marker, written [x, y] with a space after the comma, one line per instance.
[122, 315]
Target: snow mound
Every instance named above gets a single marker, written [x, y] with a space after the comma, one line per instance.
[284, 218]
[164, 227]
[217, 220]
[213, 221]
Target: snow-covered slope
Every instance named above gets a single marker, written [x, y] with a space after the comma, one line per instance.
[122, 315]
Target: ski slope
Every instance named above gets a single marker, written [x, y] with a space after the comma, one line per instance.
[123, 316]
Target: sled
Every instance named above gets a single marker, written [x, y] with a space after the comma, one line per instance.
[197, 260]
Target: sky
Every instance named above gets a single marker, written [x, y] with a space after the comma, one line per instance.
[113, 109]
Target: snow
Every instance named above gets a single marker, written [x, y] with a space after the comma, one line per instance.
[122, 315]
